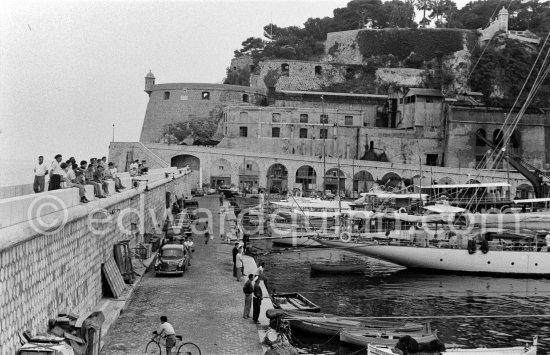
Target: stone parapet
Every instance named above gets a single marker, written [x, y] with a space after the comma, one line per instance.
[52, 263]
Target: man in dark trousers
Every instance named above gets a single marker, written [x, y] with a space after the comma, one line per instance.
[248, 289]
[235, 252]
[257, 301]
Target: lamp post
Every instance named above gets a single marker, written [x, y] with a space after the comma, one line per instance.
[113, 132]
[323, 118]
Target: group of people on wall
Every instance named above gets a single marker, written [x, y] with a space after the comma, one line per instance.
[67, 174]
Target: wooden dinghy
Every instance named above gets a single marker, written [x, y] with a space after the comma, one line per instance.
[515, 350]
[293, 301]
[337, 268]
[364, 338]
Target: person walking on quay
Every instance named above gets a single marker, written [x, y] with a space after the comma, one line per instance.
[261, 274]
[221, 199]
[257, 301]
[239, 264]
[40, 172]
[206, 233]
[167, 331]
[235, 252]
[248, 289]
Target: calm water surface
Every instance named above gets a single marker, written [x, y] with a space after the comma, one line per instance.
[389, 290]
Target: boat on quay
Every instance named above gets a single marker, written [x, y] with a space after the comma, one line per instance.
[495, 257]
[293, 301]
[515, 350]
[364, 338]
[330, 324]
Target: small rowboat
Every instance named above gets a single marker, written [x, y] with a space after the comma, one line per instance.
[516, 350]
[364, 338]
[337, 268]
[293, 301]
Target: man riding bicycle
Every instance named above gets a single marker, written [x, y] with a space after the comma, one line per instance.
[167, 331]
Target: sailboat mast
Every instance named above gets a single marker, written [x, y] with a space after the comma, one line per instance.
[324, 144]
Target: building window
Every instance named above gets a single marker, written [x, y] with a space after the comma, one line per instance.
[324, 119]
[167, 95]
[429, 99]
[479, 141]
[275, 132]
[243, 131]
[220, 167]
[348, 120]
[205, 95]
[245, 97]
[303, 118]
[303, 132]
[350, 73]
[431, 159]
[285, 68]
[323, 134]
[401, 100]
[275, 117]
[318, 70]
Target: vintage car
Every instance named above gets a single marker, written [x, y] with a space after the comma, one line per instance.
[172, 259]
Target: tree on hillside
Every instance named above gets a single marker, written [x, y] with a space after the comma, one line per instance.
[401, 14]
[424, 5]
[357, 14]
[441, 11]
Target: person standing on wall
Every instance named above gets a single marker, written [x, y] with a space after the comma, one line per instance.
[40, 172]
[248, 289]
[56, 173]
[240, 264]
[235, 252]
[257, 301]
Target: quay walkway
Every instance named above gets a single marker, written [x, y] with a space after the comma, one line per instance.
[205, 306]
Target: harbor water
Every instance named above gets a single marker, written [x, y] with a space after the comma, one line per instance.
[389, 290]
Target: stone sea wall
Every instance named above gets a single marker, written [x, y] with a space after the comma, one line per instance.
[43, 273]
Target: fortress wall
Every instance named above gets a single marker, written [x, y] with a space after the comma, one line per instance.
[301, 75]
[342, 47]
[43, 273]
[185, 103]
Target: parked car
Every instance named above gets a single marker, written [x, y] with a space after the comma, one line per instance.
[171, 259]
[197, 192]
[228, 192]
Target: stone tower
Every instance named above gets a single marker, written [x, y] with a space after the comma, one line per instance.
[149, 83]
[503, 20]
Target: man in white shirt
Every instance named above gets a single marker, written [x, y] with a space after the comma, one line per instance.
[165, 329]
[40, 172]
[111, 173]
[56, 173]
[68, 178]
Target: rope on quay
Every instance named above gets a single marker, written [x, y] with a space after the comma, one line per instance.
[427, 317]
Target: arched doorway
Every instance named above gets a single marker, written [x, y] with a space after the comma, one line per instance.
[445, 181]
[249, 176]
[362, 181]
[391, 180]
[277, 178]
[220, 173]
[307, 178]
[193, 163]
[333, 178]
[524, 191]
[184, 160]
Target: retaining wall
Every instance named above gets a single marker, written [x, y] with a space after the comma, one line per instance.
[45, 272]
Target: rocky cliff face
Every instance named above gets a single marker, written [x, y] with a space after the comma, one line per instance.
[408, 57]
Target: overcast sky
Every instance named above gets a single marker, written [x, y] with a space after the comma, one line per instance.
[70, 70]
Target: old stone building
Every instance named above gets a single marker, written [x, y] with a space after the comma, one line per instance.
[202, 104]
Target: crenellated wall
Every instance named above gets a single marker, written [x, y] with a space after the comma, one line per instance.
[47, 270]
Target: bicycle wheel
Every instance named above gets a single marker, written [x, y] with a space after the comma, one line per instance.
[189, 349]
[152, 348]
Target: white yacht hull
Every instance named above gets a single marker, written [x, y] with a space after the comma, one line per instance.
[511, 263]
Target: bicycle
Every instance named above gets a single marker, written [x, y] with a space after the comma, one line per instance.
[155, 345]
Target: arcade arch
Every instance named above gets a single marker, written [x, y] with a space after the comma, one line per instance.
[333, 178]
[249, 176]
[362, 181]
[306, 176]
[277, 178]
[220, 173]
